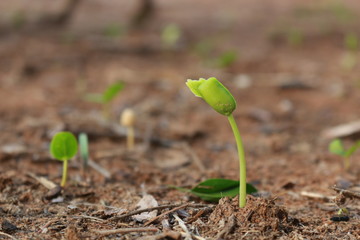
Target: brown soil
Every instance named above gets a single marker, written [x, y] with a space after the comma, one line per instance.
[296, 93]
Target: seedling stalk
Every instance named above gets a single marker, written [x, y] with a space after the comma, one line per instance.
[64, 175]
[130, 137]
[242, 162]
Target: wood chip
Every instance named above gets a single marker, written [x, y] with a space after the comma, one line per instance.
[343, 130]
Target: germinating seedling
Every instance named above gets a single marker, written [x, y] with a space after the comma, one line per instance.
[170, 35]
[84, 149]
[63, 147]
[336, 146]
[106, 97]
[127, 120]
[221, 100]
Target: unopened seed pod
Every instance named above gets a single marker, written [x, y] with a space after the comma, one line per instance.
[127, 118]
[214, 93]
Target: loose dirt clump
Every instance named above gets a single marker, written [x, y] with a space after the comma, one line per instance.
[262, 216]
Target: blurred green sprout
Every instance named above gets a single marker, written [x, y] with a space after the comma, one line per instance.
[351, 42]
[114, 30]
[63, 147]
[84, 149]
[295, 37]
[226, 59]
[171, 35]
[106, 97]
[336, 146]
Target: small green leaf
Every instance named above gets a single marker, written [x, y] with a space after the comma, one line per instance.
[337, 147]
[112, 91]
[227, 58]
[84, 148]
[171, 35]
[351, 41]
[352, 149]
[213, 190]
[63, 146]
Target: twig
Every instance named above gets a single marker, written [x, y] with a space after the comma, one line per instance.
[347, 193]
[196, 216]
[165, 213]
[43, 181]
[342, 130]
[89, 217]
[316, 195]
[183, 227]
[7, 235]
[194, 157]
[42, 229]
[183, 234]
[124, 230]
[99, 169]
[227, 229]
[158, 208]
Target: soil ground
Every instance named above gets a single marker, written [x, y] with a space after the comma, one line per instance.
[292, 80]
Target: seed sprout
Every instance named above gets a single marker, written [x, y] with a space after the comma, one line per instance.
[336, 146]
[106, 97]
[84, 149]
[63, 147]
[221, 100]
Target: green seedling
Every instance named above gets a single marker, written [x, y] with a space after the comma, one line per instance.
[114, 31]
[84, 150]
[336, 146]
[127, 120]
[226, 59]
[221, 100]
[170, 35]
[106, 97]
[19, 19]
[63, 147]
[213, 189]
[295, 37]
[351, 42]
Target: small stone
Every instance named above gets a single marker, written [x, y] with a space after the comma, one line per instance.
[242, 81]
[8, 227]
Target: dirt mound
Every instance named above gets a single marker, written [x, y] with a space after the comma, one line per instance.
[259, 216]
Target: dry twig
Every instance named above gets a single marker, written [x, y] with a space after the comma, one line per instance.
[183, 227]
[347, 193]
[165, 213]
[316, 195]
[43, 181]
[124, 230]
[7, 235]
[158, 208]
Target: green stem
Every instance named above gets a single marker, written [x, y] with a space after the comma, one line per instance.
[64, 175]
[242, 162]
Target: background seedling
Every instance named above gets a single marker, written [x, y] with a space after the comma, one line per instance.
[106, 97]
[84, 150]
[114, 31]
[295, 37]
[221, 100]
[127, 120]
[351, 42]
[336, 146]
[170, 35]
[226, 59]
[63, 147]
